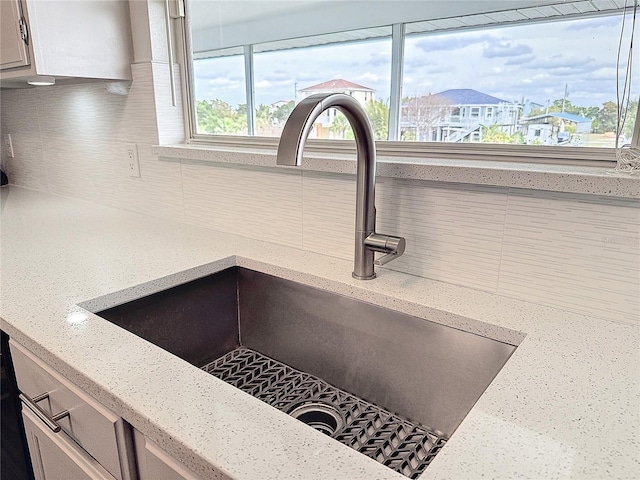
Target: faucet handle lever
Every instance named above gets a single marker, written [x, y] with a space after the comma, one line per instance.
[385, 259]
[392, 246]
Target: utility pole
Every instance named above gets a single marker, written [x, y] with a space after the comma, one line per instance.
[566, 93]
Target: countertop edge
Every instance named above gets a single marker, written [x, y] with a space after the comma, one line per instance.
[548, 177]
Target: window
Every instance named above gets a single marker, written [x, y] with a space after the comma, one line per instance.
[284, 76]
[488, 113]
[220, 93]
[521, 74]
[538, 73]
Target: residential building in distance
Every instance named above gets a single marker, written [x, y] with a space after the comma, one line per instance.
[457, 115]
[555, 128]
[359, 92]
[326, 119]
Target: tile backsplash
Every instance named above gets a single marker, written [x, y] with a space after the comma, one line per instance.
[576, 252]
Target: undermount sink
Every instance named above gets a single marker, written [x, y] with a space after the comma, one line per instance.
[358, 366]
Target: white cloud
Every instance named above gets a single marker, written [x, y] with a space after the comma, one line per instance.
[505, 49]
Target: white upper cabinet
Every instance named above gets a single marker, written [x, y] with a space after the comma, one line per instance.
[13, 40]
[87, 39]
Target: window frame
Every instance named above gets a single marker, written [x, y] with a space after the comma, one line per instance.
[406, 151]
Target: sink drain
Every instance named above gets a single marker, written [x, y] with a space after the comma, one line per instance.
[324, 418]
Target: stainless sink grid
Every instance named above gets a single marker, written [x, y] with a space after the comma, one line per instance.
[404, 446]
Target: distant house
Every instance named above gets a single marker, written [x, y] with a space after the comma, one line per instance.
[359, 92]
[323, 123]
[554, 127]
[457, 115]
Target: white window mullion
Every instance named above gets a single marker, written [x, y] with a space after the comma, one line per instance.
[249, 85]
[397, 60]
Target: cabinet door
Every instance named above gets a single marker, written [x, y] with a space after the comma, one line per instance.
[155, 464]
[13, 49]
[91, 425]
[56, 457]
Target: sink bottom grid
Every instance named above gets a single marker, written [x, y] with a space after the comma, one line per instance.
[402, 445]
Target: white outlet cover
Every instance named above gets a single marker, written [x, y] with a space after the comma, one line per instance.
[131, 159]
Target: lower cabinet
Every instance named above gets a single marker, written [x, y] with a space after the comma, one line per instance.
[154, 463]
[71, 436]
[55, 456]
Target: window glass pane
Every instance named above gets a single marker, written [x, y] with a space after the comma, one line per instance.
[361, 69]
[550, 83]
[220, 95]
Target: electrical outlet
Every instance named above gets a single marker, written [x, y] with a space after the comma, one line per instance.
[9, 145]
[133, 165]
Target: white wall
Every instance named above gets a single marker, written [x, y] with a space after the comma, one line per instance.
[576, 252]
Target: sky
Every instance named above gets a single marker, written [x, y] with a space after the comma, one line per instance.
[533, 62]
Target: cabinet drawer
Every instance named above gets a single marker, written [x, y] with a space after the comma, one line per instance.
[56, 457]
[96, 429]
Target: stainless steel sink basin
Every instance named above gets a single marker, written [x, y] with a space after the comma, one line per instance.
[420, 370]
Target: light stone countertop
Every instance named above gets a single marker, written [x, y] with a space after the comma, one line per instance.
[566, 405]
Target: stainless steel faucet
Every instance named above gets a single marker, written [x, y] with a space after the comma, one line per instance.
[290, 150]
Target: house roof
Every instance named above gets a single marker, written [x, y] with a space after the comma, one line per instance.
[337, 84]
[468, 96]
[563, 115]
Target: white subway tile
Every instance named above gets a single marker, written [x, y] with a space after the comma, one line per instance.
[576, 252]
[19, 111]
[255, 203]
[28, 167]
[453, 231]
[329, 213]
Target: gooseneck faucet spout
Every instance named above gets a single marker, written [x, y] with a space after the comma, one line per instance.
[290, 149]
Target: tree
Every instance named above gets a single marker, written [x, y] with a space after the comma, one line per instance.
[408, 135]
[424, 113]
[264, 121]
[341, 127]
[218, 118]
[378, 113]
[494, 134]
[630, 119]
[587, 112]
[556, 106]
[607, 117]
[283, 111]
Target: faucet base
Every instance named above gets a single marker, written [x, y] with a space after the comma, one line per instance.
[368, 277]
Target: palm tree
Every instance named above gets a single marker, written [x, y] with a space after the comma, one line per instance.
[341, 127]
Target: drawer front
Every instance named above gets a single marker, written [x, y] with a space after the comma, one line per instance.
[95, 428]
[56, 457]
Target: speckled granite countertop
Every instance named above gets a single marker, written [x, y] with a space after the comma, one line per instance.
[566, 405]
